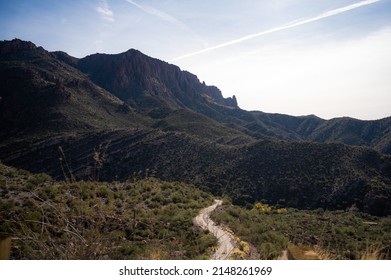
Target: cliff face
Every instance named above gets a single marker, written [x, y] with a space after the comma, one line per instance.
[146, 83]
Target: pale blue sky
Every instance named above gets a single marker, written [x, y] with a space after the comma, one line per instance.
[329, 58]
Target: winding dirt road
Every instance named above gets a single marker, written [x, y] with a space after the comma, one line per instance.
[225, 239]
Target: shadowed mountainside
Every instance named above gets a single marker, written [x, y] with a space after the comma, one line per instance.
[39, 93]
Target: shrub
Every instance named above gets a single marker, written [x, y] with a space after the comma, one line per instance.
[263, 208]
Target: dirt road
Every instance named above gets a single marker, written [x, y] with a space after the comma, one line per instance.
[225, 239]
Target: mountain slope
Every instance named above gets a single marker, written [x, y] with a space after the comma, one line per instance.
[40, 93]
[376, 134]
[147, 83]
[301, 175]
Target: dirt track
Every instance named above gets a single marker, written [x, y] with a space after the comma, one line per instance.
[226, 240]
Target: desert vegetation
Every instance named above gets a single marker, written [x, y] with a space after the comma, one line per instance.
[141, 219]
[332, 234]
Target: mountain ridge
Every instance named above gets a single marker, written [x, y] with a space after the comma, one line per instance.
[123, 79]
[310, 128]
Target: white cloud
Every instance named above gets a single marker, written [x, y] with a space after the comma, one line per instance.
[104, 10]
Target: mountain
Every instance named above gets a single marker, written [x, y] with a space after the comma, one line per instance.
[40, 93]
[147, 83]
[156, 88]
[115, 117]
[376, 134]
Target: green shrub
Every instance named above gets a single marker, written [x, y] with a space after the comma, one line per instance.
[104, 192]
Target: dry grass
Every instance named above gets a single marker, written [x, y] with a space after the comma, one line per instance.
[301, 253]
[372, 252]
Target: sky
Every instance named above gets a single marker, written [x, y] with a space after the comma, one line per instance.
[298, 57]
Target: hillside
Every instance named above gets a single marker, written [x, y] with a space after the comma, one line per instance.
[40, 94]
[144, 219]
[375, 134]
[117, 117]
[334, 235]
[302, 175]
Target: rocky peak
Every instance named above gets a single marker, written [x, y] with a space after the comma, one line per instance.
[17, 46]
[64, 57]
[146, 82]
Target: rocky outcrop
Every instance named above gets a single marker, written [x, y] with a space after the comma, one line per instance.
[146, 82]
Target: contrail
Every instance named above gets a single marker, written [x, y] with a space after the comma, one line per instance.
[280, 28]
[166, 17]
[155, 12]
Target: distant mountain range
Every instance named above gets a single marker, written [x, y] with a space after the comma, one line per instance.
[115, 117]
